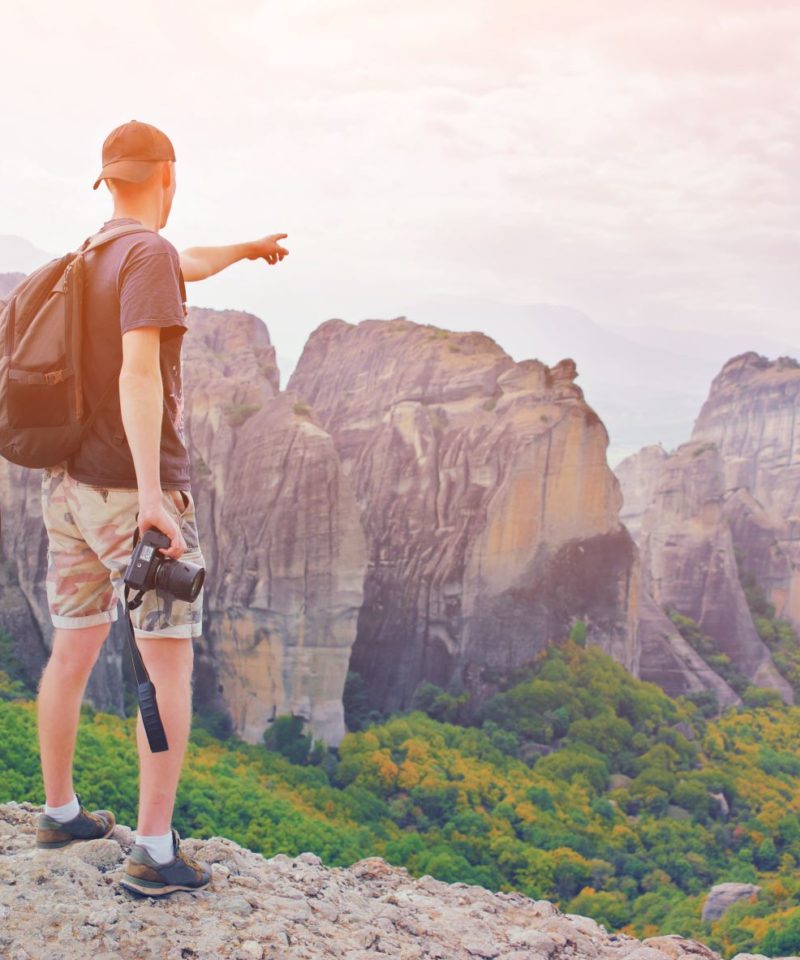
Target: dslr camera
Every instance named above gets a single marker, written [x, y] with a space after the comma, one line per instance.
[149, 569]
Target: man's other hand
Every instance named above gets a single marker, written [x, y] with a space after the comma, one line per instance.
[155, 515]
[268, 248]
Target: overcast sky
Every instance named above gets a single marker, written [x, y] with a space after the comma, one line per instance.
[635, 160]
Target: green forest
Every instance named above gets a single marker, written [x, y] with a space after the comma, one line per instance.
[575, 783]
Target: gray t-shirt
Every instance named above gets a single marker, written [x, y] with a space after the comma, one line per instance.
[132, 281]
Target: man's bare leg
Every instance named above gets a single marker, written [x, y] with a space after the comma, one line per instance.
[60, 694]
[169, 662]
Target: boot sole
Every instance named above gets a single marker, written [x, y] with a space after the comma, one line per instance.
[63, 844]
[157, 890]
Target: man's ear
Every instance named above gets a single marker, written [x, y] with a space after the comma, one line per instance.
[167, 173]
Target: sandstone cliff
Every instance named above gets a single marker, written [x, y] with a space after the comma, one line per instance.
[688, 552]
[67, 905]
[732, 489]
[492, 517]
[639, 476]
[751, 415]
[280, 532]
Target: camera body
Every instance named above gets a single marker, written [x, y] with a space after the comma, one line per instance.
[148, 569]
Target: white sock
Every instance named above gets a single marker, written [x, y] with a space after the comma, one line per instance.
[65, 812]
[159, 847]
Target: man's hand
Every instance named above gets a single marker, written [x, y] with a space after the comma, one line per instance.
[154, 514]
[268, 248]
[197, 263]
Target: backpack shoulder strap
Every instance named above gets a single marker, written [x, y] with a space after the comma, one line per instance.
[98, 239]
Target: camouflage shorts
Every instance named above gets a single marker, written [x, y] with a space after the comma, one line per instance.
[90, 533]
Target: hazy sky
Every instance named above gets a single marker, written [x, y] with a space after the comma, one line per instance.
[638, 161]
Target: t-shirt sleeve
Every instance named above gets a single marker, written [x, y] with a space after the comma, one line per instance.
[150, 294]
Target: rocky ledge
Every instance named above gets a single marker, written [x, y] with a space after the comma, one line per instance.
[68, 905]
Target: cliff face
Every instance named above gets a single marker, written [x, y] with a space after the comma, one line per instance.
[280, 533]
[688, 553]
[492, 524]
[733, 489]
[752, 415]
[639, 476]
[491, 515]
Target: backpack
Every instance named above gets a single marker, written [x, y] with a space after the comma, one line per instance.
[43, 418]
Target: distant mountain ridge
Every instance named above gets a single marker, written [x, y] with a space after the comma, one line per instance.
[19, 255]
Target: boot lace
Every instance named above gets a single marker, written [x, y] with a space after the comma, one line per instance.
[189, 861]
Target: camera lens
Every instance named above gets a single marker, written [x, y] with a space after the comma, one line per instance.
[183, 580]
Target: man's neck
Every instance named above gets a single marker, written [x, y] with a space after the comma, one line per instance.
[146, 217]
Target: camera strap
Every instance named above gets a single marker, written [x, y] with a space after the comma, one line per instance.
[145, 689]
[142, 676]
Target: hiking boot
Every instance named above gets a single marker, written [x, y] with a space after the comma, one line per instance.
[54, 835]
[147, 876]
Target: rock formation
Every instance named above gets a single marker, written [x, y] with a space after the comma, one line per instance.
[688, 555]
[639, 477]
[491, 515]
[667, 659]
[478, 489]
[280, 533]
[733, 489]
[723, 895]
[67, 905]
[752, 415]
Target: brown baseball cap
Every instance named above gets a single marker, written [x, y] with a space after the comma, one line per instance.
[130, 151]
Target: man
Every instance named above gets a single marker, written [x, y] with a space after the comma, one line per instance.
[133, 459]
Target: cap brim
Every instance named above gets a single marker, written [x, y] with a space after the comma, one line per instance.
[133, 170]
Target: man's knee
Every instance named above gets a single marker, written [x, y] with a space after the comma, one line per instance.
[75, 651]
[168, 653]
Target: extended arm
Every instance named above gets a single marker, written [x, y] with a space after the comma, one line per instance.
[197, 263]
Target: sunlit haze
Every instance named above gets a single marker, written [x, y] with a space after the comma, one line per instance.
[636, 161]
